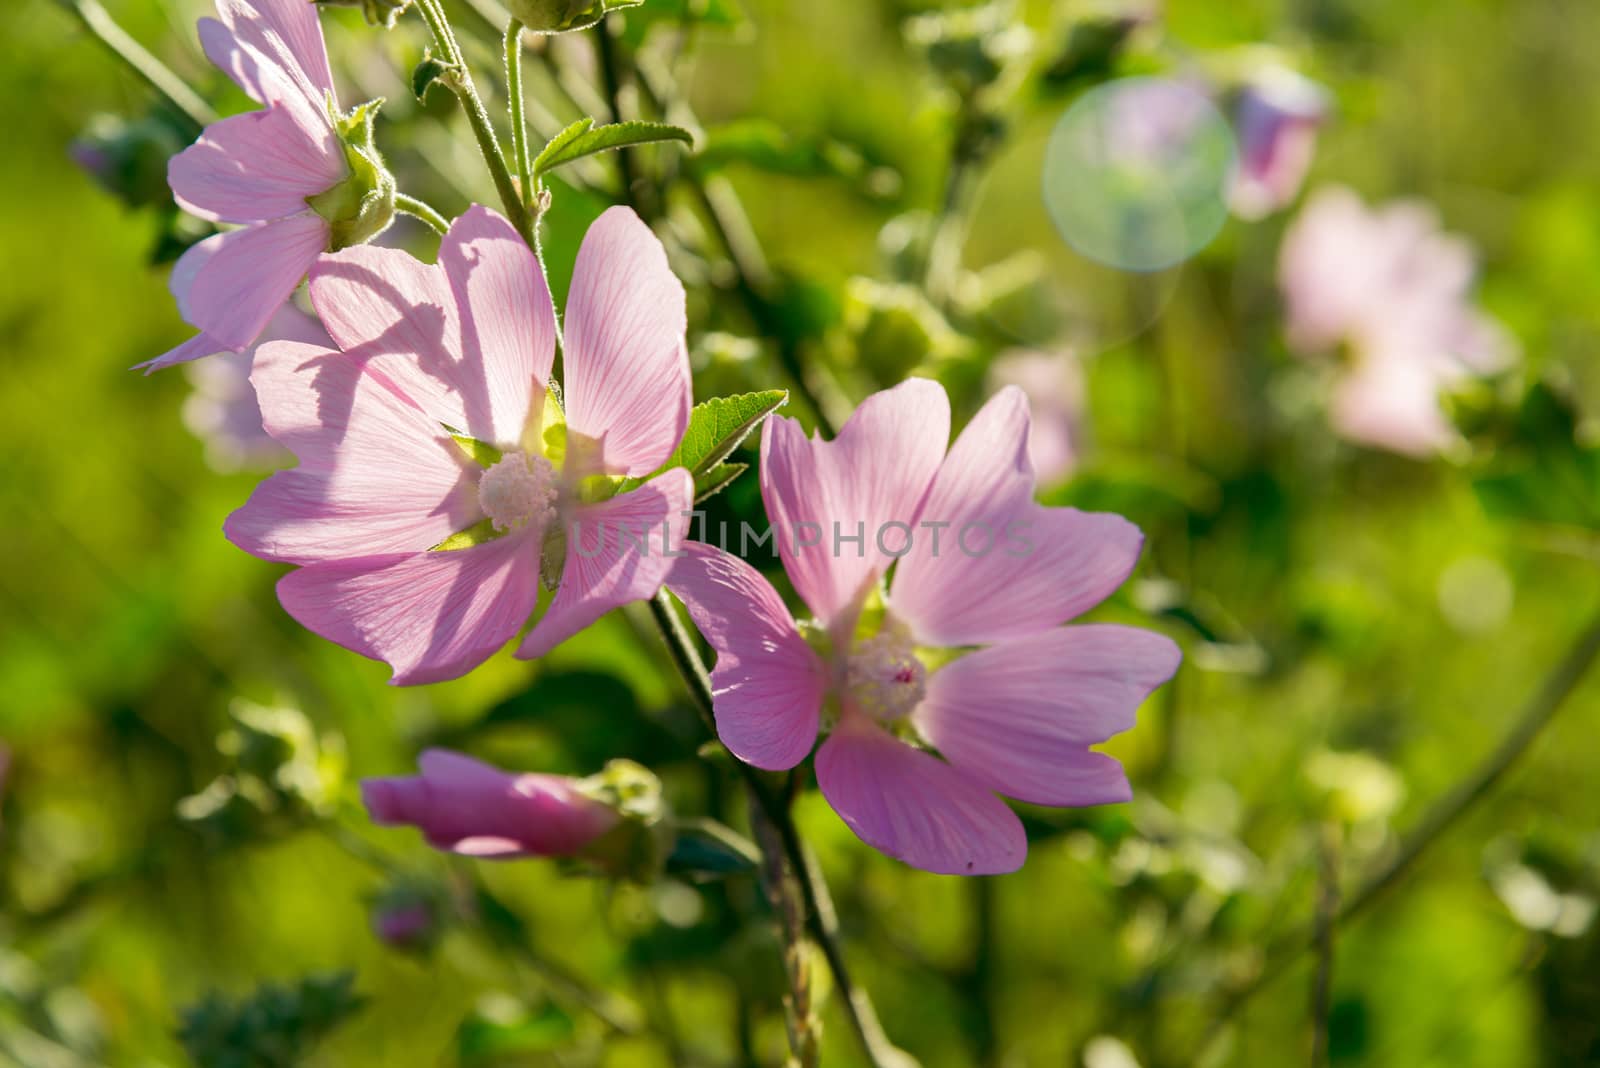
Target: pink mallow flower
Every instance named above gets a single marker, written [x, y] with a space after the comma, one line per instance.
[437, 478]
[465, 806]
[964, 654]
[298, 176]
[1392, 289]
[1276, 120]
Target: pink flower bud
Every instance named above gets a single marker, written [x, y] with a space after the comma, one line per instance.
[404, 924]
[1278, 115]
[465, 806]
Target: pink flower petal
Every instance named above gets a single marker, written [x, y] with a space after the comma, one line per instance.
[1391, 400]
[260, 165]
[197, 347]
[429, 616]
[269, 76]
[768, 682]
[1020, 716]
[627, 369]
[288, 30]
[915, 807]
[376, 476]
[466, 806]
[249, 275]
[508, 325]
[1004, 567]
[605, 568]
[874, 473]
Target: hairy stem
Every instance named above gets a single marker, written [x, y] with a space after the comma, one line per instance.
[421, 209]
[821, 919]
[160, 78]
[517, 105]
[460, 82]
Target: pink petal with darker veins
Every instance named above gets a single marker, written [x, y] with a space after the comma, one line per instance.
[1007, 567]
[249, 275]
[250, 167]
[915, 807]
[376, 476]
[429, 616]
[875, 472]
[626, 367]
[616, 554]
[1020, 716]
[768, 684]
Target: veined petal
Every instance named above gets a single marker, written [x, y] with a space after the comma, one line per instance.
[508, 325]
[259, 165]
[616, 554]
[626, 368]
[874, 474]
[915, 807]
[768, 683]
[376, 476]
[1004, 566]
[197, 347]
[249, 274]
[269, 77]
[1020, 716]
[288, 30]
[430, 615]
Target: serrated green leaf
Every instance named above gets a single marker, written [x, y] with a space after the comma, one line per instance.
[716, 480]
[478, 533]
[583, 138]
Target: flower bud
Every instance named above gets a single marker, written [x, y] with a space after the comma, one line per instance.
[464, 806]
[128, 159]
[895, 329]
[361, 206]
[561, 16]
[971, 48]
[406, 918]
[1277, 117]
[377, 12]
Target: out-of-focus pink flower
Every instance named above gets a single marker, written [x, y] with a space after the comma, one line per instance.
[1391, 287]
[465, 806]
[1276, 120]
[222, 410]
[436, 480]
[295, 181]
[404, 924]
[1054, 385]
[967, 655]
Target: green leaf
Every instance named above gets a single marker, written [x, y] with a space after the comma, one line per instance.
[478, 533]
[427, 73]
[479, 452]
[716, 428]
[500, 1031]
[583, 138]
[716, 480]
[706, 849]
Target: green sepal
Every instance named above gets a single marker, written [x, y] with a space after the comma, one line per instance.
[478, 533]
[361, 206]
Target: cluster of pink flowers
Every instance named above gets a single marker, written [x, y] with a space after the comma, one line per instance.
[1394, 290]
[443, 478]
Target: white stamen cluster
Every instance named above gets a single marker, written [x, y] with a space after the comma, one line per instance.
[884, 677]
[518, 491]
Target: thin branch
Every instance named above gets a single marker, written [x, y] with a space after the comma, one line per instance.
[159, 77]
[421, 209]
[821, 919]
[460, 82]
[1327, 913]
[611, 75]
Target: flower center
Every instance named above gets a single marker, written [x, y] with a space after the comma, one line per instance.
[884, 678]
[518, 491]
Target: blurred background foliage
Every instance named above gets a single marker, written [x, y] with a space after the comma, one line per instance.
[1361, 629]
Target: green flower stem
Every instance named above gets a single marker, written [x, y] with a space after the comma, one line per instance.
[519, 121]
[1558, 685]
[460, 81]
[160, 78]
[421, 210]
[821, 919]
